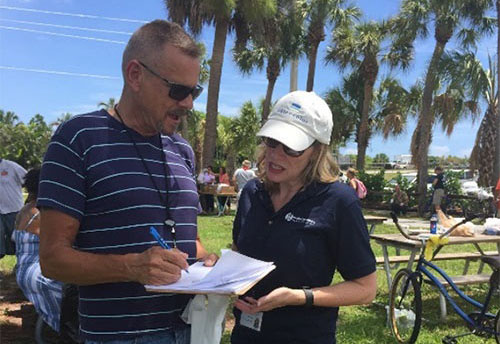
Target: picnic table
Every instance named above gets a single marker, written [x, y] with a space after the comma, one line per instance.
[226, 191]
[414, 247]
[373, 221]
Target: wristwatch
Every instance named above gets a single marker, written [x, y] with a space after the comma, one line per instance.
[309, 297]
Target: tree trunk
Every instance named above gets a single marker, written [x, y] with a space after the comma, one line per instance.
[486, 153]
[313, 53]
[221, 28]
[363, 132]
[370, 71]
[424, 127]
[496, 170]
[273, 71]
[294, 74]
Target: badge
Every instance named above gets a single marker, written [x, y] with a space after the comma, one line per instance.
[253, 321]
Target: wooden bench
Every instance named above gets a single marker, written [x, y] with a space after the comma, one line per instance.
[458, 280]
[468, 256]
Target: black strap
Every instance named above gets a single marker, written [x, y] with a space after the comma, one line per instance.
[309, 297]
[168, 221]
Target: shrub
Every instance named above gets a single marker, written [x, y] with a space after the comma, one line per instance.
[373, 182]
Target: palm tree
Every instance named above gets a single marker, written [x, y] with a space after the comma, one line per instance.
[392, 106]
[273, 42]
[61, 119]
[360, 48]
[470, 77]
[107, 105]
[219, 13]
[345, 102]
[464, 19]
[319, 12]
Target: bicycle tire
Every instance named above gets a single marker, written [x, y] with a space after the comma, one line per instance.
[405, 303]
[497, 327]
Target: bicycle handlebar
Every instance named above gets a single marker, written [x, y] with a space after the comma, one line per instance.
[403, 233]
[468, 218]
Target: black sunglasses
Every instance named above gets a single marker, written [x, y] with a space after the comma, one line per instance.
[177, 91]
[272, 143]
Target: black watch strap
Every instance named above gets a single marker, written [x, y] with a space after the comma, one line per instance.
[309, 297]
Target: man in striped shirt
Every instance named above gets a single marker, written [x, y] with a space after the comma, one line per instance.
[108, 176]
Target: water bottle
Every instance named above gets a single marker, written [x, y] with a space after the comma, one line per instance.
[434, 222]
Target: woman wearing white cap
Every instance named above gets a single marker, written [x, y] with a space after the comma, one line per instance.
[299, 216]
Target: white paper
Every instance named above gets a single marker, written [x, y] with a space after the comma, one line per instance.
[232, 273]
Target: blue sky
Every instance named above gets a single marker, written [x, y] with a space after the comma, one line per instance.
[53, 74]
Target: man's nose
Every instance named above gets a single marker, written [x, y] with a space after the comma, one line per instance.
[186, 103]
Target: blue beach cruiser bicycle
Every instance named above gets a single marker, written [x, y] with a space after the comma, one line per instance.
[405, 298]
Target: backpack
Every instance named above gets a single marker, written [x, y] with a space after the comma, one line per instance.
[361, 190]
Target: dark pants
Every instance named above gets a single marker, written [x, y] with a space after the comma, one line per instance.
[7, 222]
[207, 202]
[397, 208]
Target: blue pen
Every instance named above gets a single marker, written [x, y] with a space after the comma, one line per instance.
[160, 240]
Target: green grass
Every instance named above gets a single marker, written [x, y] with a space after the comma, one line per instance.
[361, 324]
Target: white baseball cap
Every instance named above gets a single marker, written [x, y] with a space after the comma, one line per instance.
[298, 119]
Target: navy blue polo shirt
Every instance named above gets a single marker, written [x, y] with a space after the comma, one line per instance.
[321, 230]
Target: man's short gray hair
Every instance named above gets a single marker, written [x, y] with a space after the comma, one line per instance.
[150, 38]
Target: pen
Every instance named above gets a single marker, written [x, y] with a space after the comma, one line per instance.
[160, 240]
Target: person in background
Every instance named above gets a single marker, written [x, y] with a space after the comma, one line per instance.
[242, 175]
[299, 216]
[351, 178]
[399, 201]
[223, 181]
[207, 199]
[438, 188]
[44, 293]
[11, 200]
[223, 176]
[108, 176]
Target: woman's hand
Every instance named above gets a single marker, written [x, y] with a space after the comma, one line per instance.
[277, 298]
[210, 259]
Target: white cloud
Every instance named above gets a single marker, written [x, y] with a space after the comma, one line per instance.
[439, 150]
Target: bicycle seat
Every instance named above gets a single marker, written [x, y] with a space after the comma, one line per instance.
[492, 261]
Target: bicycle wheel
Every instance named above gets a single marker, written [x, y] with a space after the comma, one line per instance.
[405, 307]
[497, 327]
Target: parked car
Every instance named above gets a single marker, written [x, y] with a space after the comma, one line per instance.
[412, 179]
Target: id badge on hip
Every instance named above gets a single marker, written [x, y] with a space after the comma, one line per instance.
[252, 321]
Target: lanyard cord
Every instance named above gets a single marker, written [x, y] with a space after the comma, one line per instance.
[168, 221]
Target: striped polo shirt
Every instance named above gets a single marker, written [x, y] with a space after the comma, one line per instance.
[93, 172]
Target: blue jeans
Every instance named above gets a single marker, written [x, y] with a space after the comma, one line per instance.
[182, 336]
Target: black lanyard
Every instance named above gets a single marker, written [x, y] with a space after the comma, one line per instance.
[168, 221]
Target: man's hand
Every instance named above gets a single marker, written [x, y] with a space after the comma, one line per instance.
[157, 266]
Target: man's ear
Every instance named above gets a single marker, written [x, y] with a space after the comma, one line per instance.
[133, 75]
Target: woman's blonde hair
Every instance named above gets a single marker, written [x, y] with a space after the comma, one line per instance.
[322, 167]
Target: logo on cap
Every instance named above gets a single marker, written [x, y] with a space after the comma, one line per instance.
[297, 106]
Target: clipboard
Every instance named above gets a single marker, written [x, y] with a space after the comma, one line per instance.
[234, 274]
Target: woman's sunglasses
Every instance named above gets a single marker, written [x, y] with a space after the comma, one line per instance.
[177, 91]
[272, 143]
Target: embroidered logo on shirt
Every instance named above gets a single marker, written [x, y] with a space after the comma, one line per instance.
[292, 218]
